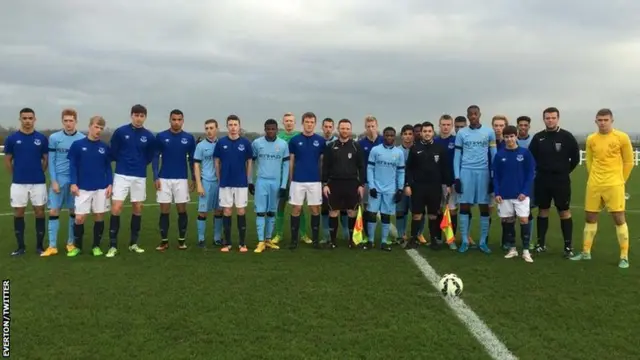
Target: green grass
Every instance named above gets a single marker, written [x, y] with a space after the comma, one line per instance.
[317, 304]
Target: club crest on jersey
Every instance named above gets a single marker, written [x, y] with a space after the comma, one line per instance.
[36, 142]
[300, 143]
[184, 141]
[166, 140]
[84, 149]
[316, 143]
[143, 139]
[349, 155]
[241, 147]
[558, 147]
[451, 145]
[101, 150]
[519, 157]
[436, 158]
[126, 137]
[19, 142]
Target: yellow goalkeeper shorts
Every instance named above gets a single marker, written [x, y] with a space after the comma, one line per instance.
[604, 197]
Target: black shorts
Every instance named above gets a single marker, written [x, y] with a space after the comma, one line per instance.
[426, 196]
[556, 189]
[344, 195]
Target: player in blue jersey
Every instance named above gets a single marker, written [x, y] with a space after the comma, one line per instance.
[59, 192]
[513, 169]
[271, 155]
[26, 155]
[207, 184]
[370, 139]
[306, 158]
[524, 139]
[475, 146]
[447, 140]
[133, 149]
[175, 148]
[404, 205]
[91, 177]
[385, 177]
[233, 159]
[498, 123]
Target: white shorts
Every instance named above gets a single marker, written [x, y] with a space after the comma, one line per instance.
[22, 194]
[233, 196]
[311, 191]
[124, 185]
[176, 190]
[92, 202]
[514, 207]
[452, 204]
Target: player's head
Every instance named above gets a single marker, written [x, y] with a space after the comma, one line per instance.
[211, 128]
[473, 114]
[459, 123]
[417, 132]
[27, 119]
[427, 131]
[499, 122]
[96, 126]
[176, 120]
[389, 134]
[289, 121]
[524, 124]
[407, 135]
[446, 125]
[271, 129]
[138, 115]
[510, 136]
[69, 120]
[370, 125]
[344, 129]
[604, 120]
[327, 127]
[551, 118]
[308, 123]
[233, 125]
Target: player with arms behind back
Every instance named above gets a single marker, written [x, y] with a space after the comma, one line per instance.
[90, 177]
[513, 169]
[59, 193]
[26, 154]
[272, 167]
[447, 139]
[609, 165]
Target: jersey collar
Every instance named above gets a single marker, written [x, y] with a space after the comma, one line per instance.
[388, 146]
[271, 140]
[474, 127]
[524, 138]
[72, 134]
[215, 140]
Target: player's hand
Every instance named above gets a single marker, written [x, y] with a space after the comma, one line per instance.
[283, 193]
[373, 193]
[398, 196]
[55, 187]
[200, 190]
[326, 191]
[490, 189]
[361, 191]
[74, 190]
[448, 190]
[457, 185]
[158, 185]
[252, 189]
[498, 199]
[407, 190]
[108, 192]
[192, 186]
[521, 197]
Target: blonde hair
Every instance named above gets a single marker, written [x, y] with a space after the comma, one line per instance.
[69, 112]
[500, 117]
[289, 113]
[98, 120]
[370, 118]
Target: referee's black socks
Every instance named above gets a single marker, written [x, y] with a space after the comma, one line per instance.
[542, 225]
[333, 228]
[434, 230]
[566, 225]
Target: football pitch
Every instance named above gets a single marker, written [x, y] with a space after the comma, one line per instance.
[330, 304]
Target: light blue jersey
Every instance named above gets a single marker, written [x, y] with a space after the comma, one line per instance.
[524, 142]
[204, 156]
[385, 173]
[475, 148]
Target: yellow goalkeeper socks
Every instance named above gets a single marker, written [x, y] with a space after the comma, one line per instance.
[622, 231]
[590, 231]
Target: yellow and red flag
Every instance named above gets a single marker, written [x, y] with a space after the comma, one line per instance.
[357, 229]
[445, 226]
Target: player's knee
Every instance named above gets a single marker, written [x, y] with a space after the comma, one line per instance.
[260, 214]
[202, 216]
[465, 208]
[524, 220]
[543, 213]
[385, 218]
[371, 217]
[98, 217]
[564, 214]
[400, 215]
[240, 211]
[38, 211]
[271, 214]
[79, 219]
[485, 213]
[54, 212]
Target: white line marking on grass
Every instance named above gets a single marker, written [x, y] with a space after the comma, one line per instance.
[496, 348]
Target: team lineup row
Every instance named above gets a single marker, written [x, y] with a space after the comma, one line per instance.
[500, 167]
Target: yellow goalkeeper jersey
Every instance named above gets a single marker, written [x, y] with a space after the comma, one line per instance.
[609, 158]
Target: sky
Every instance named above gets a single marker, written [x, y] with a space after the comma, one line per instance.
[404, 61]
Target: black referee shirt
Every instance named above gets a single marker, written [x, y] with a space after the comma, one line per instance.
[556, 152]
[343, 161]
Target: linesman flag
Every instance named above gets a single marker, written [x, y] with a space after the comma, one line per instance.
[357, 229]
[445, 224]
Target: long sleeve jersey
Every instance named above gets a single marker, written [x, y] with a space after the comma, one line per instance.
[90, 164]
[385, 169]
[59, 145]
[271, 159]
[609, 159]
[132, 149]
[556, 152]
[344, 161]
[513, 171]
[427, 164]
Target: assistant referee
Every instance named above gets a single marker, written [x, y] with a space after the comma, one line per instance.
[557, 154]
[343, 176]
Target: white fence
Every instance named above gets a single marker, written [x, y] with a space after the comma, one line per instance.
[636, 157]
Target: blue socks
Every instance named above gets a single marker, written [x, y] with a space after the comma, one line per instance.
[484, 229]
[385, 232]
[464, 227]
[260, 225]
[401, 225]
[371, 230]
[54, 224]
[525, 234]
[72, 222]
[217, 228]
[271, 224]
[202, 227]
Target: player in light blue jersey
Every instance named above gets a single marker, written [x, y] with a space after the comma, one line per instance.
[272, 157]
[475, 148]
[60, 196]
[385, 177]
[207, 184]
[404, 205]
[328, 126]
[524, 139]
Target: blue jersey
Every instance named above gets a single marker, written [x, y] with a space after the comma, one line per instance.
[204, 156]
[132, 149]
[474, 149]
[448, 143]
[513, 171]
[27, 151]
[90, 164]
[174, 150]
[306, 151]
[524, 142]
[59, 145]
[367, 145]
[233, 156]
[385, 171]
[272, 159]
[500, 144]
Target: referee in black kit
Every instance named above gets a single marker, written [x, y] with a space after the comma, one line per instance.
[556, 153]
[343, 176]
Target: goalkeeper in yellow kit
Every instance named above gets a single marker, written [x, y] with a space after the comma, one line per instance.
[609, 164]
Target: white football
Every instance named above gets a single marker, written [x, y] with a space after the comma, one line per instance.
[450, 285]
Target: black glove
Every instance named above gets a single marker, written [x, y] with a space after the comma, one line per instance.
[457, 185]
[252, 189]
[373, 193]
[398, 196]
[490, 190]
[283, 193]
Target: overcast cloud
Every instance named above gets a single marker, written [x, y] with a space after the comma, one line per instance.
[404, 61]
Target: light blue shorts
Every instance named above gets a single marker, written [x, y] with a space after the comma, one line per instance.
[209, 202]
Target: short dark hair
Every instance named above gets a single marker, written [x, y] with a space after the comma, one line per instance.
[344, 121]
[523, 118]
[27, 111]
[473, 107]
[418, 125]
[176, 112]
[211, 121]
[270, 122]
[389, 128]
[510, 130]
[327, 120]
[138, 109]
[407, 127]
[308, 115]
[604, 112]
[427, 124]
[461, 119]
[233, 118]
[551, 110]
